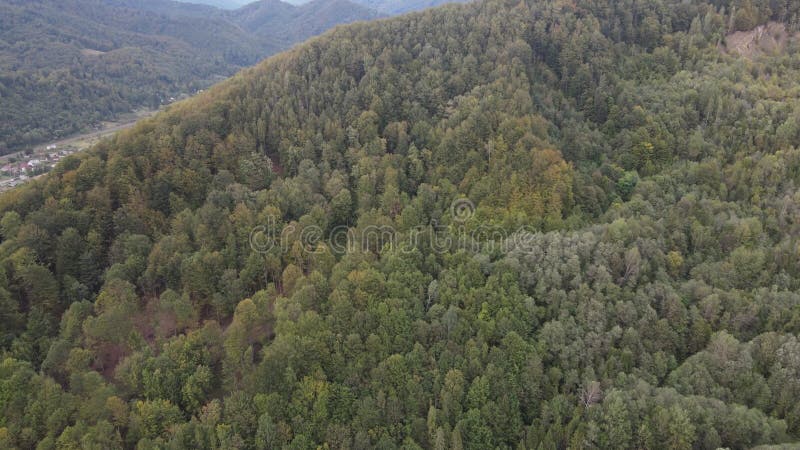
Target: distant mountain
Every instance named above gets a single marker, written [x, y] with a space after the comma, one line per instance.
[392, 7]
[286, 23]
[403, 6]
[222, 4]
[66, 65]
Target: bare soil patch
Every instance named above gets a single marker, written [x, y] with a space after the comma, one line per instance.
[768, 39]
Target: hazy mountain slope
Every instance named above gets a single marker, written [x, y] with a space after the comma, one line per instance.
[275, 19]
[403, 6]
[392, 7]
[508, 224]
[263, 15]
[223, 4]
[171, 8]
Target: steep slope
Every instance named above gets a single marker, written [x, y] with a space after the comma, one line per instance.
[497, 225]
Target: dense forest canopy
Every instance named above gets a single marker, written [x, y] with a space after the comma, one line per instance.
[615, 259]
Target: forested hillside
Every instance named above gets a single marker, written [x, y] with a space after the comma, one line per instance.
[69, 64]
[506, 224]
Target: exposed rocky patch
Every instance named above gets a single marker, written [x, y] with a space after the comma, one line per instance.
[768, 39]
